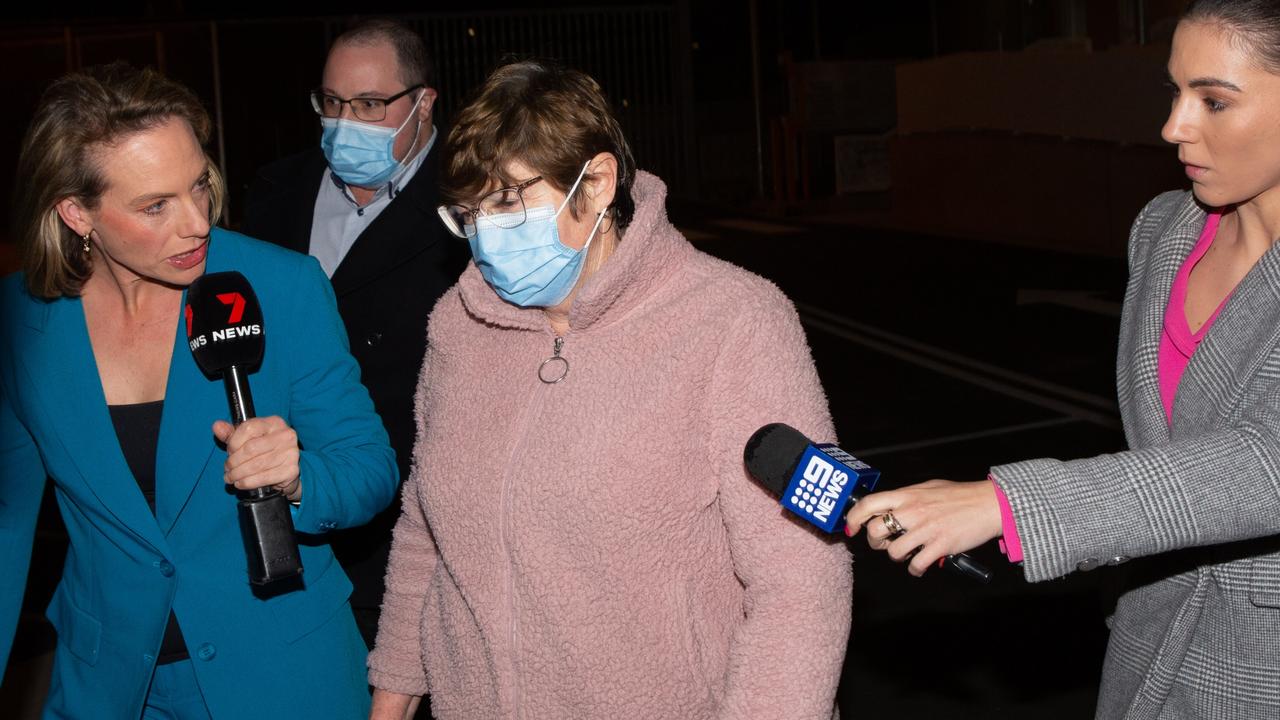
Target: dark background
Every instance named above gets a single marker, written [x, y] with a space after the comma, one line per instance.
[943, 187]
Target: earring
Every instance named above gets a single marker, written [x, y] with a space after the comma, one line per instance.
[85, 238]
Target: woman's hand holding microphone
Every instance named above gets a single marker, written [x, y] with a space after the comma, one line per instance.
[925, 523]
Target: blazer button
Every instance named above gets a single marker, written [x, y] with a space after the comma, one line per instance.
[165, 567]
[373, 339]
[207, 651]
[148, 658]
[1087, 565]
[1118, 559]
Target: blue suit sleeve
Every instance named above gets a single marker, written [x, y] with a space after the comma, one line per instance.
[347, 467]
[21, 485]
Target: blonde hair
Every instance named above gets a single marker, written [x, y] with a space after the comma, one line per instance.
[548, 117]
[77, 115]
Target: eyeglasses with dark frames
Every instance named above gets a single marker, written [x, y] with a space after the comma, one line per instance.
[369, 109]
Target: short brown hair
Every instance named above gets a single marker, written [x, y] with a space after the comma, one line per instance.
[551, 118]
[77, 115]
[411, 52]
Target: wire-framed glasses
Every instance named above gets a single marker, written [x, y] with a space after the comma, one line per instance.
[503, 207]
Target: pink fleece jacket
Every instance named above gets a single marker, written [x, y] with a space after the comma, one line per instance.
[594, 548]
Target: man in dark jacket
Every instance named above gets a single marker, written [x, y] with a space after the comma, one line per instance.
[364, 204]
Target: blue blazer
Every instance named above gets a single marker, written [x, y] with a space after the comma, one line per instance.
[297, 654]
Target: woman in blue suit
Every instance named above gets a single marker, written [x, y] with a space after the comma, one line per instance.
[98, 390]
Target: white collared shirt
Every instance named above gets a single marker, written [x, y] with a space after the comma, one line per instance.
[338, 219]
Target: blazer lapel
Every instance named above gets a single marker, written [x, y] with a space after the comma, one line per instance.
[63, 371]
[1234, 350]
[192, 402]
[395, 236]
[303, 205]
[1171, 247]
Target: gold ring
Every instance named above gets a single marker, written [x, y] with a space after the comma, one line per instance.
[891, 522]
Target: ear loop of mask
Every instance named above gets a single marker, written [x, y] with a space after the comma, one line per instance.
[592, 236]
[412, 114]
[576, 183]
[569, 195]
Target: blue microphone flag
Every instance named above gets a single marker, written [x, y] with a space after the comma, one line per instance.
[825, 480]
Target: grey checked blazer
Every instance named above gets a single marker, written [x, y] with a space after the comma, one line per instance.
[1196, 632]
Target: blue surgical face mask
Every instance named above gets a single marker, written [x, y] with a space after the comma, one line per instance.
[527, 265]
[361, 153]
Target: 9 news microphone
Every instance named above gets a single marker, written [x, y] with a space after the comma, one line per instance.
[224, 331]
[819, 482]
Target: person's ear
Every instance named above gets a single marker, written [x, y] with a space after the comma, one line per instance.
[601, 182]
[426, 105]
[74, 215]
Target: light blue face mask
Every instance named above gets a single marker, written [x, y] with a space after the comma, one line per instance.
[527, 265]
[361, 153]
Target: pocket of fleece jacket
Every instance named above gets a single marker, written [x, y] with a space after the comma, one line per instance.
[692, 647]
[1264, 582]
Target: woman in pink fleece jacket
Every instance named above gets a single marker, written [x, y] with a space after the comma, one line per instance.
[579, 537]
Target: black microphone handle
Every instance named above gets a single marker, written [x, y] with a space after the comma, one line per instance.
[240, 399]
[238, 395]
[962, 564]
[266, 527]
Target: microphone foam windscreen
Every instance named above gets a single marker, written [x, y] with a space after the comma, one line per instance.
[224, 323]
[772, 453]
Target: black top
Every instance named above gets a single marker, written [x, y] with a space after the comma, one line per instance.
[138, 429]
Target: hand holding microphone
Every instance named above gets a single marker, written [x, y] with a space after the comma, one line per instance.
[261, 452]
[817, 482]
[227, 340]
[935, 520]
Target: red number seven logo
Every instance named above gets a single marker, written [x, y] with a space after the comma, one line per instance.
[189, 315]
[236, 301]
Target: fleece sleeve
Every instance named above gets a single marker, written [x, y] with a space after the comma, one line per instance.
[395, 664]
[786, 656]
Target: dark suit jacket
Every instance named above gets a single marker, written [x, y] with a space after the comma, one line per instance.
[386, 287]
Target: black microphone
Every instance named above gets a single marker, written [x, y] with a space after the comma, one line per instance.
[819, 482]
[224, 331]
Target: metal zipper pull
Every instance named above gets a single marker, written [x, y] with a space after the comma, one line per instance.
[555, 368]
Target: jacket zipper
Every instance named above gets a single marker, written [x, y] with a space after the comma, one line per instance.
[523, 428]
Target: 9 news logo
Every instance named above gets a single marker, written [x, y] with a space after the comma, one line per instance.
[818, 490]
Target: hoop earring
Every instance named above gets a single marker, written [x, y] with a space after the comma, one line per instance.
[85, 238]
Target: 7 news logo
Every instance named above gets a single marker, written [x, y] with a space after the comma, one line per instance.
[231, 332]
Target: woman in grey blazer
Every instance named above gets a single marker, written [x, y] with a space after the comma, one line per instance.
[1196, 499]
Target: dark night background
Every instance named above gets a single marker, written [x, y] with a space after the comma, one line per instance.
[944, 187]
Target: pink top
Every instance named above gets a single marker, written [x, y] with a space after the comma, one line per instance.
[1177, 344]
